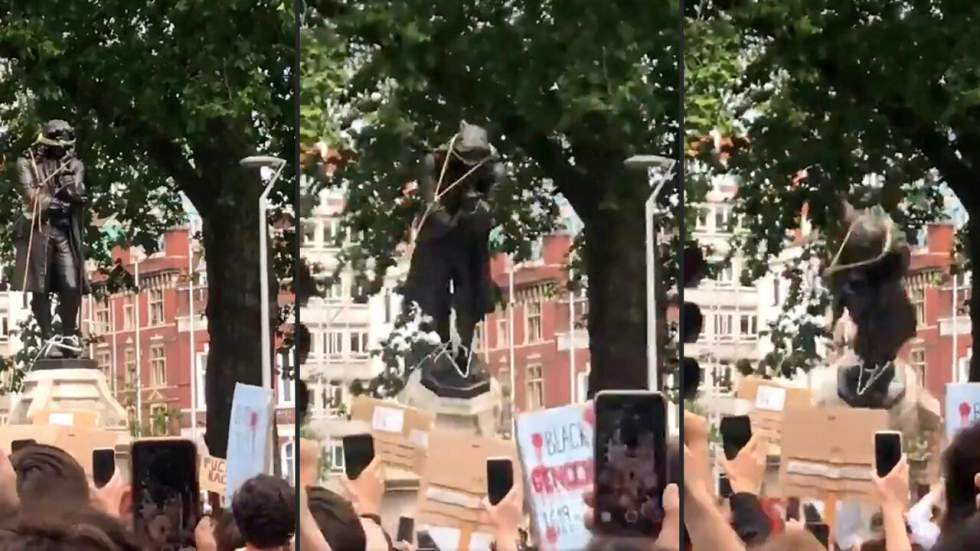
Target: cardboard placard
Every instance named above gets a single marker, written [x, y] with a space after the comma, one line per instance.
[454, 484]
[556, 449]
[213, 474]
[401, 433]
[77, 441]
[67, 418]
[962, 407]
[770, 400]
[249, 435]
[829, 452]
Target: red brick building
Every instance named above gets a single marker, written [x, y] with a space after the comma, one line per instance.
[931, 289]
[542, 341]
[158, 348]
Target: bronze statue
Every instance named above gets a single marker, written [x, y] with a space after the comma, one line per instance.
[450, 266]
[50, 256]
[874, 318]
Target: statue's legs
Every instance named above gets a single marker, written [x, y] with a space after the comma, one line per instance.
[428, 285]
[41, 307]
[65, 278]
[465, 294]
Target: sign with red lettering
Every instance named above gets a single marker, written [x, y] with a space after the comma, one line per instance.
[962, 407]
[556, 452]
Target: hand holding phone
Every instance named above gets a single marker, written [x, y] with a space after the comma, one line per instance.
[888, 451]
[630, 462]
[166, 494]
[500, 478]
[821, 531]
[736, 431]
[406, 530]
[103, 466]
[358, 454]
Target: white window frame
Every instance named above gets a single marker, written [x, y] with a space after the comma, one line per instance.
[530, 336]
[539, 380]
[287, 453]
[154, 305]
[156, 360]
[286, 389]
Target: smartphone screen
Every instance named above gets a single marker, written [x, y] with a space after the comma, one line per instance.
[820, 531]
[166, 495]
[888, 451]
[103, 466]
[19, 444]
[406, 529]
[500, 478]
[736, 431]
[358, 454]
[630, 462]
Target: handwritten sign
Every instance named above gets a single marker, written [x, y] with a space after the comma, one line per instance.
[556, 452]
[213, 474]
[770, 398]
[248, 435]
[962, 406]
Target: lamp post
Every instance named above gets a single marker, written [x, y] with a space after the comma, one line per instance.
[276, 164]
[659, 170]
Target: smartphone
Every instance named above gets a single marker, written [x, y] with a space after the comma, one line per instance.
[736, 431]
[166, 494]
[888, 451]
[103, 466]
[358, 454]
[19, 444]
[630, 462]
[406, 530]
[500, 478]
[821, 531]
[724, 487]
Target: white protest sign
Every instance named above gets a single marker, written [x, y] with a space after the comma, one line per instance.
[962, 406]
[388, 419]
[770, 398]
[556, 452]
[248, 435]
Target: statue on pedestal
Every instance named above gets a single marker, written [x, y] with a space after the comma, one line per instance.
[874, 318]
[449, 273]
[50, 256]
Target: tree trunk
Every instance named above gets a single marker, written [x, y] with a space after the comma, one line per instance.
[231, 245]
[615, 262]
[973, 244]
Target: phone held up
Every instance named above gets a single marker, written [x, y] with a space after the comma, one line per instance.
[736, 431]
[166, 494]
[500, 478]
[888, 451]
[630, 462]
[358, 454]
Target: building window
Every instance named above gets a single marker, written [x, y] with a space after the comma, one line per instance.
[333, 344]
[336, 289]
[502, 333]
[535, 387]
[289, 461]
[159, 420]
[723, 326]
[102, 324]
[533, 326]
[129, 363]
[129, 313]
[358, 343]
[4, 326]
[582, 385]
[336, 456]
[748, 327]
[156, 306]
[104, 360]
[333, 399]
[202, 369]
[917, 359]
[775, 292]
[158, 365]
[722, 217]
[918, 297]
[331, 233]
[702, 221]
[287, 387]
[309, 233]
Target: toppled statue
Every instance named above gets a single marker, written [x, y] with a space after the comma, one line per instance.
[450, 268]
[874, 318]
[48, 237]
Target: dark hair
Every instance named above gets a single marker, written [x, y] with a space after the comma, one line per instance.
[336, 519]
[961, 537]
[264, 509]
[302, 402]
[226, 534]
[961, 463]
[65, 528]
[47, 474]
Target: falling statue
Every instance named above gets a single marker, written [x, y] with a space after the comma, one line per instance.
[449, 273]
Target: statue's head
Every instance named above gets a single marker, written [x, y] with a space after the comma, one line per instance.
[57, 138]
[866, 279]
[472, 144]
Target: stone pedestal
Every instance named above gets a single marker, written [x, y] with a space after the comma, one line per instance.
[68, 385]
[477, 415]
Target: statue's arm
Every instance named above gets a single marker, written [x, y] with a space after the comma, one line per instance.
[427, 179]
[28, 188]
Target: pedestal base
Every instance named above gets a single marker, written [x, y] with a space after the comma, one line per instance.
[441, 374]
[478, 414]
[71, 385]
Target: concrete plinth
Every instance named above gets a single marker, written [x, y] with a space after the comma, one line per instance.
[79, 388]
[478, 415]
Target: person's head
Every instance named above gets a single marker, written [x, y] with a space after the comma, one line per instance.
[59, 528]
[337, 520]
[46, 474]
[264, 509]
[961, 537]
[226, 534]
[961, 463]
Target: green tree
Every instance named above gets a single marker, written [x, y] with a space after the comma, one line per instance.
[166, 98]
[568, 92]
[876, 102]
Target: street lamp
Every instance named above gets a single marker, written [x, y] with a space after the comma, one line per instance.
[659, 171]
[277, 164]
